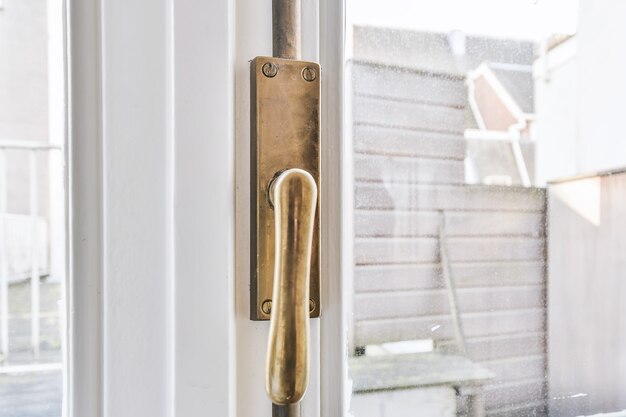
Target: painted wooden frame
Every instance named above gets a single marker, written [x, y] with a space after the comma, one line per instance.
[158, 320]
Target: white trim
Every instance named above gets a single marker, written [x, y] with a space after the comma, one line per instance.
[30, 368]
[507, 66]
[4, 270]
[522, 170]
[471, 97]
[347, 211]
[27, 144]
[204, 209]
[498, 135]
[170, 194]
[84, 210]
[136, 207]
[555, 58]
[502, 93]
[336, 213]
[510, 103]
[57, 133]
[121, 217]
[513, 137]
[35, 278]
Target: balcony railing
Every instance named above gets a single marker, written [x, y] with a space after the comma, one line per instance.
[25, 245]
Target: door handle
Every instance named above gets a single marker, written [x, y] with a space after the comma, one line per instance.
[285, 206]
[285, 219]
[293, 194]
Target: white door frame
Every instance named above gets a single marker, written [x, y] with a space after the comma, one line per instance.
[158, 218]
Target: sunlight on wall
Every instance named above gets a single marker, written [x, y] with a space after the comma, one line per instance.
[582, 196]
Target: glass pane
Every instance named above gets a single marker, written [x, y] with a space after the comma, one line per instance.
[32, 209]
[489, 177]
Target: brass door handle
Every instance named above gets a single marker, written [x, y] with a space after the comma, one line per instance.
[293, 194]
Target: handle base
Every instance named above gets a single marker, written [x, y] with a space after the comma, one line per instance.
[285, 133]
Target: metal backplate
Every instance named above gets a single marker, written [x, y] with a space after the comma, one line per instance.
[285, 133]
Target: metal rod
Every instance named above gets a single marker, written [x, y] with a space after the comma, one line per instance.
[291, 410]
[450, 284]
[286, 36]
[27, 144]
[522, 169]
[34, 268]
[4, 259]
[286, 43]
[31, 368]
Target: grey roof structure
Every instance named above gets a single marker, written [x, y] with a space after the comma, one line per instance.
[511, 60]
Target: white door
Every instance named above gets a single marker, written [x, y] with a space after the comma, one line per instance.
[159, 203]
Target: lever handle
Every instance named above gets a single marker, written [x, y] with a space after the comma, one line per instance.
[294, 196]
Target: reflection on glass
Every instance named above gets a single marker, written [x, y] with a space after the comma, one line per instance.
[488, 275]
[32, 228]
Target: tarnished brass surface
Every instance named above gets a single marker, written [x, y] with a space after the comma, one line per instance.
[286, 28]
[291, 410]
[285, 133]
[294, 195]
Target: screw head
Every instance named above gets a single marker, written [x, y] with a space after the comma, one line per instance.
[266, 307]
[309, 74]
[270, 70]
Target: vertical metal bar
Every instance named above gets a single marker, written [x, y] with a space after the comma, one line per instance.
[450, 284]
[4, 267]
[286, 32]
[286, 43]
[63, 338]
[522, 169]
[476, 403]
[34, 261]
[291, 410]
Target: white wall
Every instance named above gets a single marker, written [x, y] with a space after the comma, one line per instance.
[23, 94]
[556, 105]
[23, 70]
[580, 105]
[602, 84]
[32, 108]
[586, 289]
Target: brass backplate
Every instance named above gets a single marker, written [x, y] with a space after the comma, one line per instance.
[285, 133]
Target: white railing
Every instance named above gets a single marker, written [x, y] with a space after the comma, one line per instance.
[513, 138]
[36, 245]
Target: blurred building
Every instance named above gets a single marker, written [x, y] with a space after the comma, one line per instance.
[32, 115]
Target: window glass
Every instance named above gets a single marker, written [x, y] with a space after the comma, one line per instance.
[32, 209]
[489, 177]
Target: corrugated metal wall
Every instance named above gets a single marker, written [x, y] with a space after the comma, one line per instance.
[409, 166]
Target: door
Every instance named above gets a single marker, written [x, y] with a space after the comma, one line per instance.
[159, 203]
[160, 193]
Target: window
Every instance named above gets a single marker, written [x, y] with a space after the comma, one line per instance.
[486, 187]
[32, 210]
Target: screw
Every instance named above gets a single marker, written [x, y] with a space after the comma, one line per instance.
[309, 74]
[270, 70]
[266, 307]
